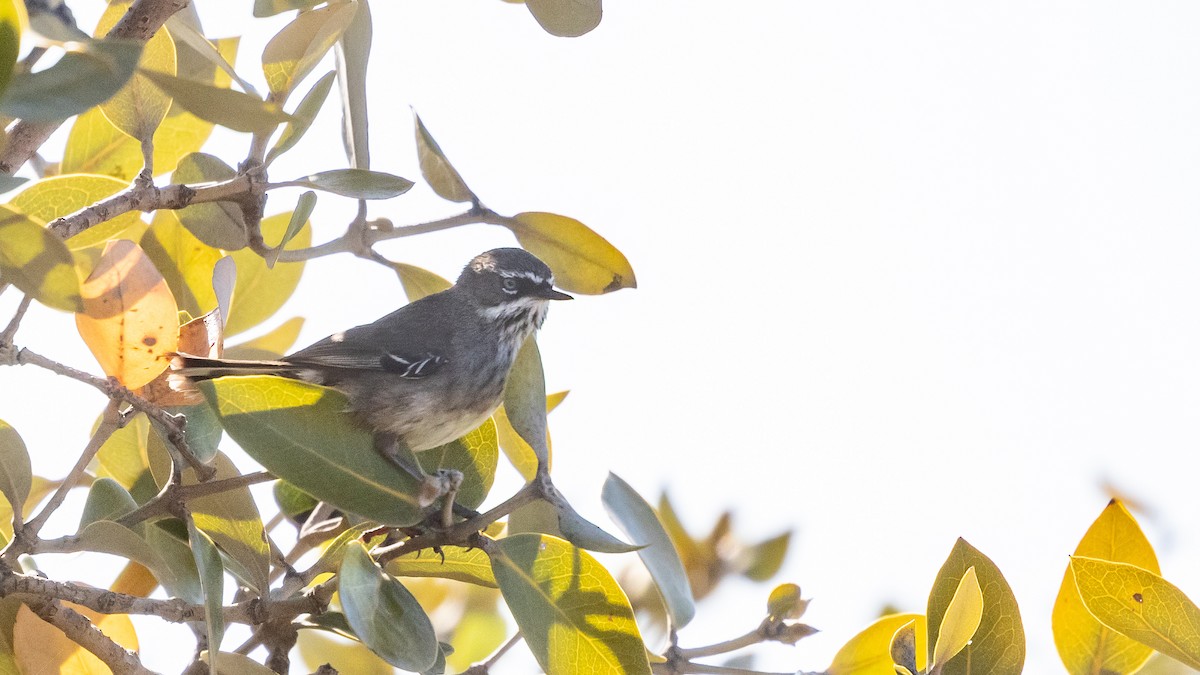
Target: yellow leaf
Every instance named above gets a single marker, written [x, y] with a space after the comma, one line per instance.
[1140, 605]
[960, 621]
[867, 653]
[42, 649]
[582, 261]
[296, 49]
[437, 169]
[129, 320]
[59, 196]
[520, 453]
[566, 18]
[186, 262]
[272, 345]
[139, 107]
[1085, 645]
[37, 262]
[347, 656]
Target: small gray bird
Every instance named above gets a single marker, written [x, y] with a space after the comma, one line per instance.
[430, 371]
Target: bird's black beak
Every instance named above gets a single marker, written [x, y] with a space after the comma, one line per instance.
[553, 294]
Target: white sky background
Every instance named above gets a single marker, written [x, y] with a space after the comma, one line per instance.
[907, 271]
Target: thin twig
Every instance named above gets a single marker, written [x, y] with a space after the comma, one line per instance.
[486, 666]
[167, 502]
[10, 330]
[752, 638]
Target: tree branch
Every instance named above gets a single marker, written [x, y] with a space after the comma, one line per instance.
[83, 633]
[140, 22]
[148, 197]
[166, 502]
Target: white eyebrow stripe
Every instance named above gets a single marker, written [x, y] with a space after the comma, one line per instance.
[532, 276]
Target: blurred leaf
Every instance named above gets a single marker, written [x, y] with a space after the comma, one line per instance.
[303, 118]
[270, 345]
[356, 183]
[960, 621]
[1161, 664]
[188, 37]
[469, 565]
[218, 224]
[637, 520]
[301, 433]
[439, 173]
[475, 455]
[260, 291]
[123, 455]
[582, 261]
[10, 183]
[37, 262]
[185, 262]
[16, 475]
[296, 49]
[220, 105]
[765, 559]
[135, 579]
[1000, 638]
[569, 608]
[566, 18]
[39, 489]
[1140, 605]
[224, 280]
[106, 500]
[867, 653]
[212, 580]
[42, 648]
[264, 8]
[525, 400]
[58, 196]
[87, 75]
[476, 636]
[1084, 644]
[347, 656]
[352, 52]
[10, 40]
[139, 107]
[418, 282]
[129, 320]
[229, 663]
[384, 615]
[292, 501]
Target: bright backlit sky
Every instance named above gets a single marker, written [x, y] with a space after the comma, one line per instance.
[907, 271]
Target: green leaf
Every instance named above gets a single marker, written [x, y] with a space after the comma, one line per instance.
[476, 455]
[999, 641]
[37, 262]
[767, 557]
[139, 107]
[58, 196]
[264, 8]
[582, 261]
[292, 501]
[1084, 644]
[356, 183]
[184, 261]
[384, 615]
[903, 649]
[218, 224]
[270, 345]
[566, 18]
[570, 610]
[106, 500]
[303, 118]
[1140, 605]
[469, 565]
[960, 621]
[296, 49]
[105, 536]
[175, 555]
[304, 209]
[525, 400]
[87, 75]
[202, 48]
[212, 581]
[586, 534]
[352, 53]
[868, 652]
[220, 105]
[260, 291]
[637, 520]
[301, 433]
[123, 455]
[439, 173]
[10, 40]
[418, 282]
[16, 475]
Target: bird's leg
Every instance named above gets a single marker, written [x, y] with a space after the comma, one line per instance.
[444, 482]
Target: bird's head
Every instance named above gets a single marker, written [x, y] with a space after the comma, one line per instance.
[510, 284]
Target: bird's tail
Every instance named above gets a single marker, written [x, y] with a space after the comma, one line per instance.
[198, 368]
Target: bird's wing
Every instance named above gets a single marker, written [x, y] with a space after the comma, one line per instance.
[405, 343]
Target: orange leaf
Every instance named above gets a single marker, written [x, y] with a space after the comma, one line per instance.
[129, 319]
[201, 336]
[43, 649]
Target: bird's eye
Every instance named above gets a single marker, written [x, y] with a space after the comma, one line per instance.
[510, 285]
